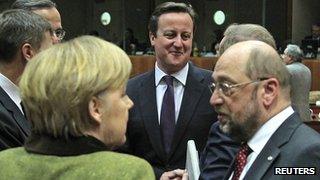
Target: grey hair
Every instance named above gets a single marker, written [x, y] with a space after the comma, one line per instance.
[294, 52]
[31, 5]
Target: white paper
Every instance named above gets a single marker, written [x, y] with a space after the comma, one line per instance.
[192, 161]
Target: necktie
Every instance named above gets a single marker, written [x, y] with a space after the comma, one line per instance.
[167, 116]
[241, 160]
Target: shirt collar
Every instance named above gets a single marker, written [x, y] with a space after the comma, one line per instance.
[10, 88]
[181, 75]
[262, 136]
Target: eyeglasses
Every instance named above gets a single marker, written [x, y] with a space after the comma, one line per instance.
[225, 88]
[59, 33]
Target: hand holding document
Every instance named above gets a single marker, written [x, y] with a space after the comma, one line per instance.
[192, 161]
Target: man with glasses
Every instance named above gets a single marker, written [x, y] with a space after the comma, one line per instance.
[31, 34]
[251, 95]
[221, 149]
[48, 10]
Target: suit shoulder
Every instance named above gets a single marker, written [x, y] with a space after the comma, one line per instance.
[304, 132]
[134, 81]
[205, 72]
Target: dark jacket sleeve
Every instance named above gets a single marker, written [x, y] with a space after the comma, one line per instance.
[217, 155]
[9, 134]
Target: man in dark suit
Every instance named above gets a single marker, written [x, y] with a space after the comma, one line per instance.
[251, 95]
[22, 35]
[171, 30]
[220, 148]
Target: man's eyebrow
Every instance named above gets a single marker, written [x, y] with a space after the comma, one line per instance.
[224, 79]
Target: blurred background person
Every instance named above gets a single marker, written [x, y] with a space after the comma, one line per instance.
[129, 43]
[22, 35]
[48, 10]
[300, 80]
[315, 32]
[74, 94]
[243, 32]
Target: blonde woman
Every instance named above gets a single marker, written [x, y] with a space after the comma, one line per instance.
[74, 95]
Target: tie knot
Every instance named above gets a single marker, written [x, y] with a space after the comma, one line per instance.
[168, 79]
[245, 149]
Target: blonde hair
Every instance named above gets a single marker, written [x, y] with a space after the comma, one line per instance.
[59, 82]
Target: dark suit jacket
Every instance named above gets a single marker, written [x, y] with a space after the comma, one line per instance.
[14, 127]
[218, 154]
[292, 145]
[194, 121]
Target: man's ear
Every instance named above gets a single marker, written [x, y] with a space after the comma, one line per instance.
[27, 51]
[271, 90]
[152, 38]
[95, 109]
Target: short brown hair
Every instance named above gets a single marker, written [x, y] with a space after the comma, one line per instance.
[170, 7]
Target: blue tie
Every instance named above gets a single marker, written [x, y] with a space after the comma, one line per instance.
[167, 116]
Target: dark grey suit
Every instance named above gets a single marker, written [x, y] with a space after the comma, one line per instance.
[14, 128]
[194, 121]
[292, 145]
[300, 82]
[218, 154]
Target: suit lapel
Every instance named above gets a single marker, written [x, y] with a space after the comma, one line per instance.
[148, 106]
[17, 115]
[192, 93]
[263, 161]
[272, 150]
[229, 171]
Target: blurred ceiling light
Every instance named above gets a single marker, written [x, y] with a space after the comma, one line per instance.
[105, 18]
[219, 17]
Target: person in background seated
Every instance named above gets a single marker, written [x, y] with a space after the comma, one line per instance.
[130, 43]
[74, 95]
[22, 35]
[300, 80]
[251, 94]
[48, 10]
[315, 32]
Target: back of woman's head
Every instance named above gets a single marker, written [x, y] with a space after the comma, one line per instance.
[59, 82]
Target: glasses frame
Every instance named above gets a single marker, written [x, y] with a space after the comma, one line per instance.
[226, 88]
[59, 33]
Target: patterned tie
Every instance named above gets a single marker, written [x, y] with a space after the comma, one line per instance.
[167, 116]
[241, 160]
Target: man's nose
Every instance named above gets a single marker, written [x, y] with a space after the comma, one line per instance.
[216, 99]
[178, 41]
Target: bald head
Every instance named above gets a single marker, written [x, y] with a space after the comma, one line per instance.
[257, 60]
[249, 74]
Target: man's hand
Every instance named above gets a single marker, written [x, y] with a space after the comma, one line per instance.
[177, 174]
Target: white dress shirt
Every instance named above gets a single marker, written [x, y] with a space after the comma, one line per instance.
[12, 90]
[262, 136]
[179, 83]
